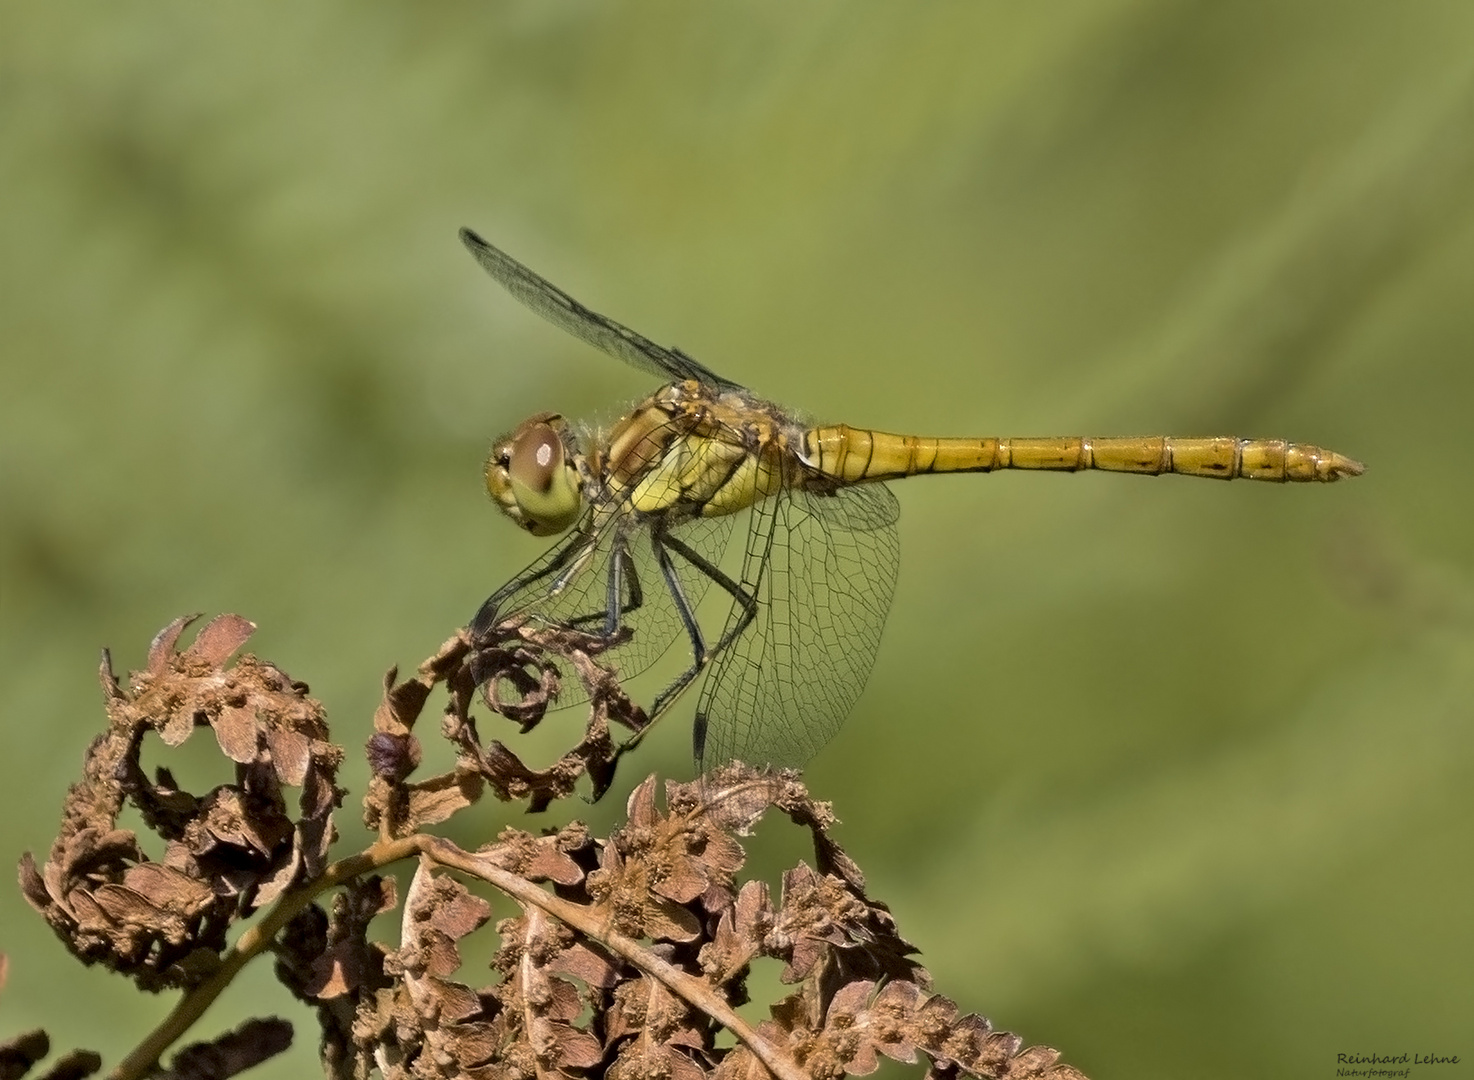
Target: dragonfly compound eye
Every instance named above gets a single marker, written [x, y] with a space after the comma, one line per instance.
[531, 478]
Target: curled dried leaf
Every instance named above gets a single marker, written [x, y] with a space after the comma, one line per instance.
[549, 857]
[231, 850]
[18, 1054]
[234, 1052]
[518, 669]
[21, 1053]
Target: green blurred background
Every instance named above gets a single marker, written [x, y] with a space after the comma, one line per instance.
[1172, 775]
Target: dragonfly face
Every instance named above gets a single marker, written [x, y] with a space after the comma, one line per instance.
[533, 477]
[651, 503]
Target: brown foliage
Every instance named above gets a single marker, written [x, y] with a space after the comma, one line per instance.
[231, 1053]
[18, 1055]
[631, 965]
[525, 661]
[232, 850]
[624, 957]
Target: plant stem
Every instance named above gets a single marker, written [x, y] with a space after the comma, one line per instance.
[257, 938]
[584, 920]
[192, 1006]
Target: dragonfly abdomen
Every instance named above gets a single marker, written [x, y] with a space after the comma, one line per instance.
[854, 455]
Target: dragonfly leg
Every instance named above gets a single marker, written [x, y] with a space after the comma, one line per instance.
[699, 654]
[486, 615]
[745, 600]
[621, 569]
[747, 611]
[622, 574]
[663, 544]
[622, 596]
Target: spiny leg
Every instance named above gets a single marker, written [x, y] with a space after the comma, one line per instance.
[486, 615]
[622, 572]
[744, 599]
[663, 544]
[624, 569]
[755, 569]
[623, 596]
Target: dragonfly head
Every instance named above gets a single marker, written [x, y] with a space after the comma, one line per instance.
[532, 477]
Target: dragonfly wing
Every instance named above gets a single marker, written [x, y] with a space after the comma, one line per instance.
[823, 570]
[566, 313]
[646, 606]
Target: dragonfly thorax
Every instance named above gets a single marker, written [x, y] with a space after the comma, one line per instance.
[532, 476]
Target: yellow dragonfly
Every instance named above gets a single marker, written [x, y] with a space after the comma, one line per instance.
[651, 504]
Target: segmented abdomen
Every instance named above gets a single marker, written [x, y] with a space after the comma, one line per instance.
[853, 455]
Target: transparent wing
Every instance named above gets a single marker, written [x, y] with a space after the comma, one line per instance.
[823, 570]
[645, 602]
[566, 313]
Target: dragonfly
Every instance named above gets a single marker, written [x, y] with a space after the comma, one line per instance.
[648, 507]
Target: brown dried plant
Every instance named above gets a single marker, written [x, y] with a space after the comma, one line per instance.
[624, 957]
